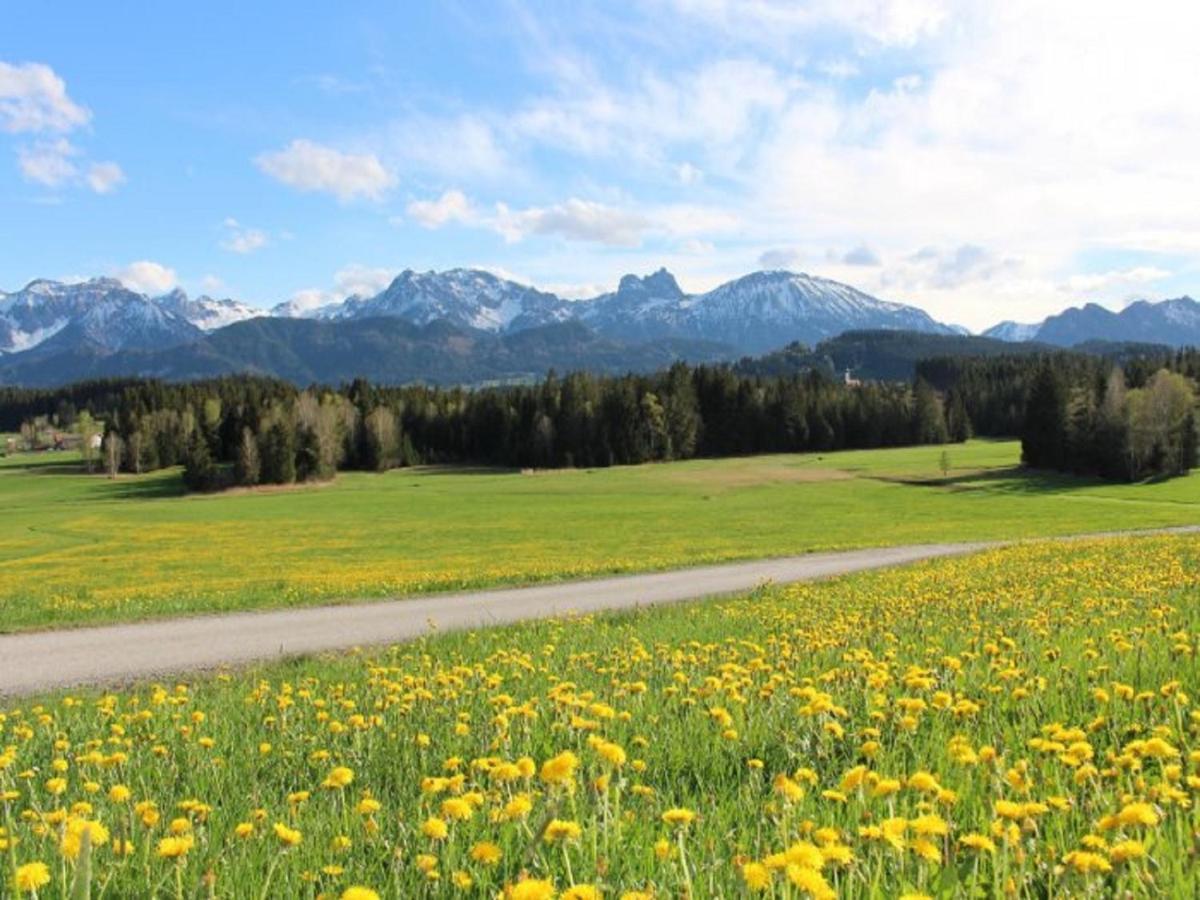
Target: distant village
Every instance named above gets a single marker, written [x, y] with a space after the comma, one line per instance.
[41, 435]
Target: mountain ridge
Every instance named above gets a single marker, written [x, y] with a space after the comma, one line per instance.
[754, 313]
[1174, 322]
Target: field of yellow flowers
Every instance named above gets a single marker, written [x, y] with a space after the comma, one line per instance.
[1017, 723]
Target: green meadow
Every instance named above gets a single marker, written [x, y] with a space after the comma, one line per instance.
[78, 548]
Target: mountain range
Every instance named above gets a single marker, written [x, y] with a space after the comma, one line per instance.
[471, 325]
[1175, 323]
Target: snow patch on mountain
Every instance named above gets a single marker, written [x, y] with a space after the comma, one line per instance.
[1013, 332]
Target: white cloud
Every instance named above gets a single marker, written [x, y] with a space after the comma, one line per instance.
[362, 280]
[210, 284]
[862, 255]
[105, 177]
[575, 290]
[33, 98]
[1117, 278]
[241, 239]
[780, 258]
[148, 277]
[689, 174]
[348, 281]
[49, 162]
[457, 146]
[451, 206]
[309, 299]
[574, 220]
[716, 107]
[308, 166]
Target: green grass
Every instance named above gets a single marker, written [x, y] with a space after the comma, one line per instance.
[958, 728]
[80, 549]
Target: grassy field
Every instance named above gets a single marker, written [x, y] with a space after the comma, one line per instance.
[78, 549]
[1018, 723]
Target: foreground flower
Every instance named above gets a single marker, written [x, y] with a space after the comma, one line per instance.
[679, 817]
[487, 853]
[530, 889]
[32, 876]
[359, 893]
[560, 769]
[561, 830]
[757, 876]
[174, 847]
[339, 778]
[289, 837]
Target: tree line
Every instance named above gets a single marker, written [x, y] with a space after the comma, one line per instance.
[1081, 413]
[249, 430]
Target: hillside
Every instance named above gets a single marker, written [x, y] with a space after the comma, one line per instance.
[383, 350]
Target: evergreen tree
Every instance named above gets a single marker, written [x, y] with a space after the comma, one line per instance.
[1044, 437]
[200, 473]
[958, 421]
[278, 454]
[929, 423]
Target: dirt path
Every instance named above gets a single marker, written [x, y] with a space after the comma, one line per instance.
[116, 654]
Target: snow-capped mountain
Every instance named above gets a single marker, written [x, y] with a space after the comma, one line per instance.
[1175, 323]
[102, 314]
[1013, 332]
[465, 297]
[760, 311]
[207, 313]
[306, 309]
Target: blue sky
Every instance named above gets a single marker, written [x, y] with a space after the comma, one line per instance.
[983, 161]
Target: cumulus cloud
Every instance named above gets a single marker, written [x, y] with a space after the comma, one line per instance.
[147, 277]
[309, 166]
[1116, 278]
[779, 258]
[33, 98]
[451, 206]
[105, 177]
[34, 101]
[862, 255]
[362, 280]
[49, 163]
[354, 279]
[242, 239]
[573, 220]
[52, 164]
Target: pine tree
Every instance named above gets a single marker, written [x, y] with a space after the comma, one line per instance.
[278, 455]
[200, 473]
[1044, 436]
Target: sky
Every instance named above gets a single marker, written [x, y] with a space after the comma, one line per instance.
[984, 161]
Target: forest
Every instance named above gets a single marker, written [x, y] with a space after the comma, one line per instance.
[249, 430]
[1081, 413]
[1126, 419]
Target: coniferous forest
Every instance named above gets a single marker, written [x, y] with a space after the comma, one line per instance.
[1073, 412]
[247, 431]
[1083, 414]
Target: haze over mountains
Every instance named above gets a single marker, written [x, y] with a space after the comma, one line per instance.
[471, 325]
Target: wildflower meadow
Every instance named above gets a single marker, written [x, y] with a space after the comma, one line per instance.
[1016, 723]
